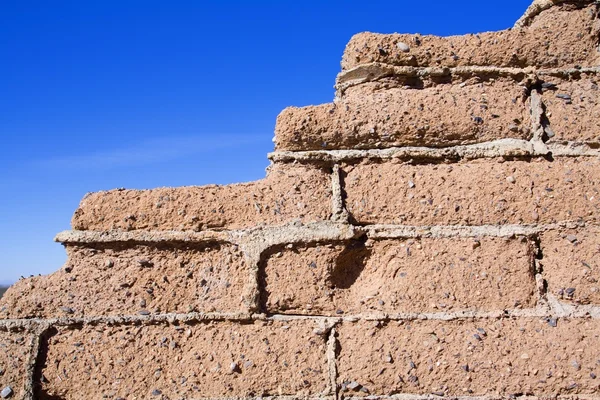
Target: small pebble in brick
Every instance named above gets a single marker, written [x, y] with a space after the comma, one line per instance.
[6, 392]
[234, 367]
[572, 238]
[156, 392]
[403, 47]
[145, 263]
[563, 96]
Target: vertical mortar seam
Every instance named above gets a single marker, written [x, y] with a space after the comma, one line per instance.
[338, 211]
[542, 300]
[537, 114]
[332, 363]
[32, 362]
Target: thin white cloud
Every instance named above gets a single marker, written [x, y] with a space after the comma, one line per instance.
[151, 151]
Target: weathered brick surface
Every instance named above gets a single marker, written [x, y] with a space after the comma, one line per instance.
[426, 275]
[571, 264]
[439, 116]
[573, 109]
[461, 357]
[290, 192]
[212, 359]
[156, 302]
[475, 193]
[560, 37]
[15, 349]
[120, 279]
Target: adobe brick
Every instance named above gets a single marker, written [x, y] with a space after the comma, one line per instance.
[560, 37]
[127, 279]
[570, 264]
[573, 110]
[475, 193]
[207, 360]
[439, 116]
[15, 350]
[401, 276]
[469, 357]
[288, 193]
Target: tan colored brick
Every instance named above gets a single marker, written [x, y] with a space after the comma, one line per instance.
[573, 110]
[474, 193]
[402, 275]
[571, 264]
[439, 116]
[123, 279]
[460, 357]
[560, 37]
[15, 350]
[290, 192]
[208, 360]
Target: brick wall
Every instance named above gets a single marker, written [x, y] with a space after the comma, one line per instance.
[432, 233]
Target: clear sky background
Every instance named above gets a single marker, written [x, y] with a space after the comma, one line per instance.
[96, 95]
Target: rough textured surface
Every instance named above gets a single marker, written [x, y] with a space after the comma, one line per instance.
[572, 108]
[129, 279]
[502, 357]
[440, 116]
[14, 356]
[474, 193]
[571, 264]
[558, 37]
[290, 192]
[410, 275]
[432, 233]
[215, 359]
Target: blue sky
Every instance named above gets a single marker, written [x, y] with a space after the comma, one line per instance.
[140, 94]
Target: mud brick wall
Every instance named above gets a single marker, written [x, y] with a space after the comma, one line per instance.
[432, 233]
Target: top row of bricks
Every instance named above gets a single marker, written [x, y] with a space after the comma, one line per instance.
[564, 36]
[390, 92]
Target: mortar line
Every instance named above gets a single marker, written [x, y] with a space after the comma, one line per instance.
[252, 290]
[536, 112]
[538, 272]
[332, 362]
[338, 211]
[324, 231]
[31, 366]
[557, 309]
[502, 148]
[376, 231]
[375, 71]
[262, 238]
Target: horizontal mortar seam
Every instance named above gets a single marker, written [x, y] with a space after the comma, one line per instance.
[340, 232]
[374, 71]
[377, 231]
[513, 148]
[577, 312]
[264, 236]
